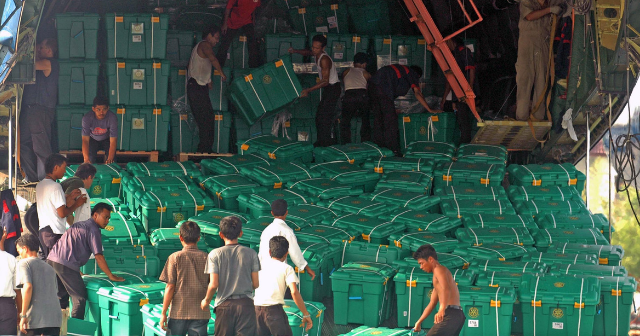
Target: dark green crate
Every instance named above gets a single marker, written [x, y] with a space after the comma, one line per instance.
[531, 193]
[178, 84]
[507, 266]
[607, 254]
[438, 127]
[381, 331]
[138, 82]
[311, 20]
[209, 223]
[460, 208]
[225, 189]
[545, 237]
[184, 133]
[115, 202]
[106, 182]
[166, 208]
[547, 175]
[277, 149]
[322, 258]
[77, 35]
[356, 205]
[222, 132]
[484, 236]
[143, 128]
[389, 164]
[370, 17]
[124, 236]
[353, 153]
[277, 45]
[180, 44]
[259, 204]
[413, 240]
[136, 36]
[580, 221]
[302, 129]
[484, 315]
[124, 302]
[311, 214]
[163, 169]
[356, 251]
[468, 174]
[423, 221]
[326, 233]
[405, 199]
[498, 221]
[494, 251]
[588, 270]
[411, 181]
[404, 50]
[147, 266]
[550, 258]
[307, 107]
[78, 81]
[431, 150]
[324, 188]
[316, 311]
[218, 93]
[536, 208]
[134, 184]
[278, 175]
[474, 193]
[509, 280]
[490, 154]
[69, 119]
[375, 231]
[348, 174]
[231, 165]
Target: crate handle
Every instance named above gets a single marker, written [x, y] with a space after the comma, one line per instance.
[412, 283]
[615, 293]
[495, 303]
[536, 303]
[603, 261]
[578, 305]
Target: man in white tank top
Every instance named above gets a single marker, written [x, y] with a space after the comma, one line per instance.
[330, 83]
[199, 83]
[355, 102]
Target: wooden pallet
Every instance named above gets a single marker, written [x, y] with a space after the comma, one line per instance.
[515, 135]
[151, 155]
[187, 156]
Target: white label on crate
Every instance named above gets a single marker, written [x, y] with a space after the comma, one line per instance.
[137, 123]
[333, 25]
[403, 61]
[557, 325]
[137, 85]
[338, 56]
[323, 29]
[473, 323]
[136, 38]
[332, 19]
[405, 313]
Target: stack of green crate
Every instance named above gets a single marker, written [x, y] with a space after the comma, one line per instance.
[547, 175]
[329, 18]
[389, 164]
[209, 223]
[403, 50]
[415, 220]
[133, 184]
[225, 189]
[483, 236]
[259, 204]
[413, 240]
[322, 258]
[498, 221]
[536, 208]
[160, 169]
[274, 148]
[546, 237]
[568, 258]
[106, 182]
[315, 309]
[303, 111]
[362, 293]
[166, 208]
[374, 230]
[325, 233]
[494, 251]
[311, 214]
[78, 79]
[468, 174]
[277, 45]
[231, 165]
[278, 175]
[353, 153]
[411, 181]
[579, 221]
[468, 192]
[440, 127]
[357, 251]
[323, 188]
[607, 254]
[120, 306]
[184, 133]
[491, 154]
[369, 17]
[356, 205]
[167, 241]
[180, 44]
[430, 150]
[348, 174]
[507, 279]
[530, 193]
[138, 74]
[460, 208]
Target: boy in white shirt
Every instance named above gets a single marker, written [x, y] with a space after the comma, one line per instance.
[275, 276]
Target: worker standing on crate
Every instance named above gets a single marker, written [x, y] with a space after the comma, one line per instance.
[199, 83]
[240, 14]
[355, 102]
[331, 89]
[387, 84]
[449, 319]
[465, 61]
[37, 118]
[99, 131]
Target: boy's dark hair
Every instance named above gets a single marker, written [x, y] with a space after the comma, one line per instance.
[320, 38]
[52, 161]
[231, 227]
[29, 241]
[98, 208]
[417, 70]
[279, 207]
[213, 30]
[85, 171]
[100, 101]
[278, 246]
[424, 252]
[360, 58]
[190, 232]
[51, 43]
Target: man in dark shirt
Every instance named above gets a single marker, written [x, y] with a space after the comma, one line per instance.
[467, 65]
[38, 113]
[73, 251]
[389, 83]
[99, 131]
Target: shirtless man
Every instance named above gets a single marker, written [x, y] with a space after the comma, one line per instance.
[450, 319]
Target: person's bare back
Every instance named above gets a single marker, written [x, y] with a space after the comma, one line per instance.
[446, 287]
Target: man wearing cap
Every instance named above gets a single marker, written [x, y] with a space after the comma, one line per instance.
[280, 228]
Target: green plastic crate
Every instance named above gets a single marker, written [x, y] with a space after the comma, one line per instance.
[166, 208]
[381, 331]
[143, 128]
[423, 221]
[616, 300]
[178, 84]
[470, 193]
[430, 150]
[438, 127]
[557, 305]
[231, 165]
[405, 199]
[138, 82]
[482, 236]
[209, 223]
[151, 314]
[353, 153]
[508, 266]
[148, 266]
[77, 35]
[133, 184]
[180, 44]
[322, 258]
[451, 261]
[468, 174]
[120, 306]
[489, 154]
[310, 213]
[264, 90]
[325, 233]
[273, 148]
[323, 188]
[370, 17]
[460, 208]
[579, 221]
[375, 231]
[389, 164]
[306, 108]
[404, 50]
[498, 221]
[259, 205]
[81, 327]
[218, 93]
[136, 36]
[484, 315]
[106, 182]
[225, 189]
[184, 133]
[356, 205]
[125, 236]
[362, 293]
[69, 118]
[563, 258]
[547, 175]
[78, 81]
[237, 54]
[167, 241]
[278, 175]
[260, 223]
[356, 251]
[329, 18]
[315, 309]
[163, 169]
[494, 251]
[413, 288]
[607, 254]
[222, 132]
[413, 240]
[347, 174]
[556, 193]
[545, 237]
[343, 47]
[509, 280]
[116, 204]
[588, 270]
[418, 182]
[277, 45]
[536, 208]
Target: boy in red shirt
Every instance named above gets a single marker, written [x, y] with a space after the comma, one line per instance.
[239, 15]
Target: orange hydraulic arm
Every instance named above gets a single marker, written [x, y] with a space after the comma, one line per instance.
[441, 52]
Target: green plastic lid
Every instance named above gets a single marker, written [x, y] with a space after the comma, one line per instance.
[277, 175]
[607, 254]
[497, 251]
[413, 240]
[232, 165]
[135, 293]
[356, 205]
[415, 220]
[460, 208]
[230, 186]
[547, 237]
[122, 230]
[209, 222]
[548, 289]
[324, 188]
[325, 233]
[563, 258]
[479, 294]
[481, 236]
[498, 221]
[508, 266]
[369, 272]
[499, 279]
[468, 192]
[412, 275]
[596, 270]
[389, 164]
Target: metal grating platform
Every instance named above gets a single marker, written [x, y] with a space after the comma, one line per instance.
[515, 135]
